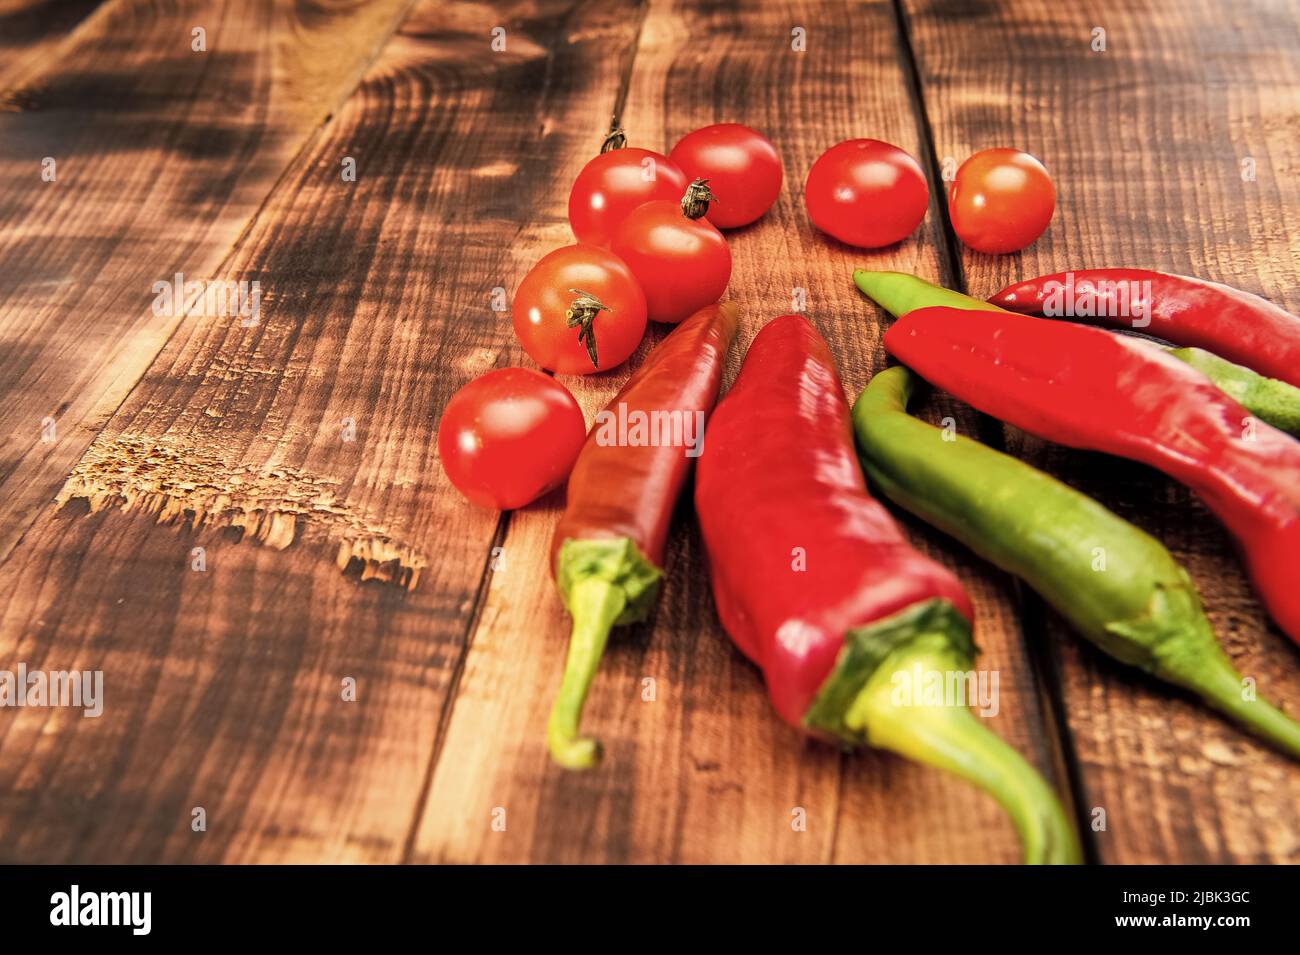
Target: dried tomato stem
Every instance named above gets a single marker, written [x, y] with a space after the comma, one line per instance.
[696, 201]
[581, 315]
[616, 138]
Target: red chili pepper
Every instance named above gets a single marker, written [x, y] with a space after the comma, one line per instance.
[607, 551]
[1093, 389]
[817, 585]
[1233, 324]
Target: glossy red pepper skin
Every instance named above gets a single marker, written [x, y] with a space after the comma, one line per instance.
[608, 549]
[1235, 325]
[1093, 389]
[630, 491]
[779, 480]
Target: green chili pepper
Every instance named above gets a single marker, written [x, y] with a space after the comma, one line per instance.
[1119, 587]
[1271, 401]
[899, 293]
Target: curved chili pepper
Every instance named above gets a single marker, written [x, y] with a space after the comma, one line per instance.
[1268, 399]
[816, 584]
[607, 551]
[1092, 389]
[1236, 325]
[1137, 605]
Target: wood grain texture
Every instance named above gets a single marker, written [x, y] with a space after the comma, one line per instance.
[162, 155]
[225, 686]
[32, 30]
[298, 451]
[706, 772]
[1148, 143]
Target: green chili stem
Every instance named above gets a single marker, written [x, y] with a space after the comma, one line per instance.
[871, 697]
[1215, 680]
[952, 738]
[595, 605]
[604, 582]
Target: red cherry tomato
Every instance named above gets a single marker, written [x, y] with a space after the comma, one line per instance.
[866, 193]
[1001, 200]
[615, 183]
[574, 283]
[509, 436]
[742, 168]
[682, 263]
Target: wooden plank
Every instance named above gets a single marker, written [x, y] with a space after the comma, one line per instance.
[224, 687]
[705, 772]
[162, 155]
[1148, 142]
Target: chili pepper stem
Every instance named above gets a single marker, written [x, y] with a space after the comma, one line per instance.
[603, 583]
[1220, 685]
[595, 605]
[947, 735]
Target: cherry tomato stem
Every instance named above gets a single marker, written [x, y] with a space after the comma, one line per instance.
[741, 163]
[582, 316]
[579, 310]
[679, 258]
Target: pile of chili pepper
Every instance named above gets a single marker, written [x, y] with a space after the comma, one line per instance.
[1272, 400]
[1088, 388]
[1096, 390]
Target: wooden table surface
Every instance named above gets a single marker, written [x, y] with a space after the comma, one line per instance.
[298, 453]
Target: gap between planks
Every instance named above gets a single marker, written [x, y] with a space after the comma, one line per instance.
[1030, 612]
